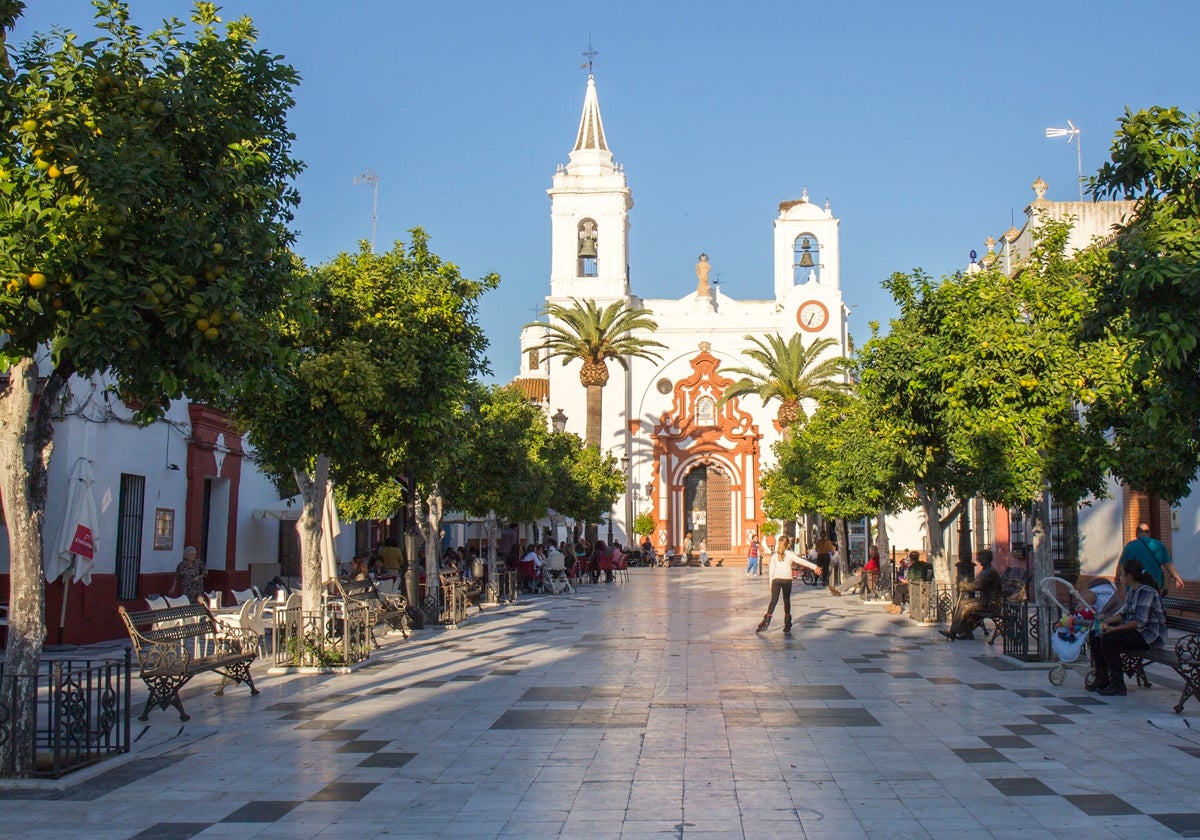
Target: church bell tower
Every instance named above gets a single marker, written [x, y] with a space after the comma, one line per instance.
[589, 211]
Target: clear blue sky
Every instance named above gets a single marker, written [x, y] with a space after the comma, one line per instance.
[922, 123]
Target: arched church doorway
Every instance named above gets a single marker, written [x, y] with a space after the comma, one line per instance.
[708, 512]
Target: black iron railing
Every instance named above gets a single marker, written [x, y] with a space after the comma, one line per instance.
[336, 637]
[1027, 628]
[83, 713]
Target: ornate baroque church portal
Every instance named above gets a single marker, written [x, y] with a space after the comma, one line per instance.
[705, 463]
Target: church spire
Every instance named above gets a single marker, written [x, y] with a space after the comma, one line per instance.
[591, 127]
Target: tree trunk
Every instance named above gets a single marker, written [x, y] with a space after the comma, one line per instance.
[313, 489]
[844, 554]
[26, 441]
[431, 528]
[490, 528]
[881, 536]
[595, 414]
[933, 530]
[1041, 564]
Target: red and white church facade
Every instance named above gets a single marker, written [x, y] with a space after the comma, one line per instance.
[695, 467]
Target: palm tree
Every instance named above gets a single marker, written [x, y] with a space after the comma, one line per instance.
[593, 335]
[789, 372]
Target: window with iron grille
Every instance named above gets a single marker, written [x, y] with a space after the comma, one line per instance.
[131, 512]
[1064, 540]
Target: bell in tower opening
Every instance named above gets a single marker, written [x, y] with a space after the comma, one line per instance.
[805, 266]
[587, 248]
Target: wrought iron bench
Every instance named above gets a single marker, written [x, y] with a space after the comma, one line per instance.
[391, 609]
[1182, 614]
[164, 641]
[1013, 584]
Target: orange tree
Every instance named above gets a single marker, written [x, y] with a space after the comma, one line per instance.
[381, 359]
[145, 195]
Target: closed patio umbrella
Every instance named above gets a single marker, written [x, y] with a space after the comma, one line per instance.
[330, 528]
[73, 551]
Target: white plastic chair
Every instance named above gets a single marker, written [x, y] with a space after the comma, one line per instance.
[241, 596]
[156, 602]
[214, 599]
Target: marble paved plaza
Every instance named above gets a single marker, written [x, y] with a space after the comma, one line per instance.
[651, 709]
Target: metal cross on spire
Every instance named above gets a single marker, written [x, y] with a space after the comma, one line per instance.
[590, 54]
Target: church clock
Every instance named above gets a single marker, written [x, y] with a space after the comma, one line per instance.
[812, 316]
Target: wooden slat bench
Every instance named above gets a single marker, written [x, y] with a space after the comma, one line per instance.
[1183, 656]
[163, 641]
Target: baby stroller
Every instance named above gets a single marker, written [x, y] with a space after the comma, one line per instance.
[1070, 634]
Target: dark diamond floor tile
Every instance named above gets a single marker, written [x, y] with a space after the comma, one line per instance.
[1032, 692]
[386, 759]
[264, 811]
[428, 684]
[305, 714]
[1049, 719]
[834, 717]
[363, 746]
[1065, 709]
[988, 686]
[869, 670]
[980, 755]
[390, 689]
[1027, 729]
[467, 678]
[1101, 804]
[1006, 742]
[171, 831]
[1021, 787]
[531, 719]
[1084, 701]
[945, 680]
[339, 735]
[321, 724]
[343, 792]
[816, 692]
[906, 675]
[1185, 825]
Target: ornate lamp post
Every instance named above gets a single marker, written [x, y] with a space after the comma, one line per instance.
[558, 421]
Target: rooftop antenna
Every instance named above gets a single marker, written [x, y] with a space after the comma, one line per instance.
[590, 54]
[1071, 133]
[369, 177]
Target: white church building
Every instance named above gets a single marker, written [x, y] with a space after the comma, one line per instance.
[694, 467]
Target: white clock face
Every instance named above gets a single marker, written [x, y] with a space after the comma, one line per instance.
[812, 316]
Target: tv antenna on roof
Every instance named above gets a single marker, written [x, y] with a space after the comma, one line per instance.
[1071, 133]
[369, 177]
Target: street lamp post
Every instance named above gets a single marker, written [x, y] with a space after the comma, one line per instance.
[625, 465]
[558, 421]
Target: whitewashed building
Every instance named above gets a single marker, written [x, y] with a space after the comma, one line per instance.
[693, 466]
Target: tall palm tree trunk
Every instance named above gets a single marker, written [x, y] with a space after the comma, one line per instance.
[595, 414]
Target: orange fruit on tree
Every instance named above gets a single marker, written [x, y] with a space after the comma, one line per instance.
[37, 280]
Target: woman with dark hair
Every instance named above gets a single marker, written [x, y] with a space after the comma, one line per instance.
[1141, 625]
[780, 571]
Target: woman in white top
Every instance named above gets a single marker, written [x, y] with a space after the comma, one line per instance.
[780, 572]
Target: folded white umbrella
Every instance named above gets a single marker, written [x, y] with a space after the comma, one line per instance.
[73, 552]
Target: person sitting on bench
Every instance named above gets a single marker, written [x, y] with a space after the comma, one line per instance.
[974, 597]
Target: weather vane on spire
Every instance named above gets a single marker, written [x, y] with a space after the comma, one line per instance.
[590, 54]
